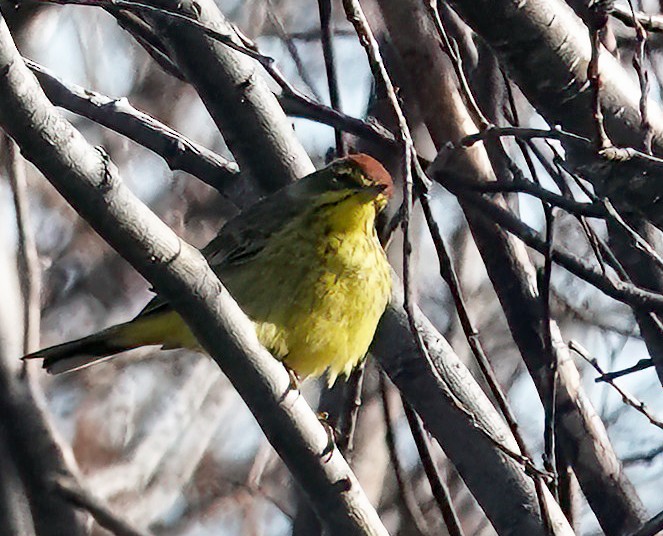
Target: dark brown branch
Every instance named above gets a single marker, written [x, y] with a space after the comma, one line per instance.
[591, 210]
[552, 372]
[326, 38]
[653, 527]
[642, 364]
[76, 495]
[412, 509]
[438, 487]
[627, 293]
[90, 182]
[302, 106]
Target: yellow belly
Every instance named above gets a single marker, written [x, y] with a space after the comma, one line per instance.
[319, 316]
[315, 297]
[316, 300]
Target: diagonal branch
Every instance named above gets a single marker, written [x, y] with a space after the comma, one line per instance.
[90, 182]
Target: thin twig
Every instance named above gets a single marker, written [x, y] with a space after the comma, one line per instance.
[139, 7]
[651, 23]
[639, 241]
[653, 527]
[622, 291]
[643, 80]
[450, 48]
[628, 399]
[550, 401]
[28, 258]
[179, 152]
[438, 487]
[407, 493]
[283, 34]
[353, 394]
[306, 106]
[642, 364]
[591, 210]
[302, 106]
[597, 20]
[326, 38]
[80, 498]
[643, 457]
[609, 154]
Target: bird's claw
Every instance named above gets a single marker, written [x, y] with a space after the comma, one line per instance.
[323, 417]
[295, 380]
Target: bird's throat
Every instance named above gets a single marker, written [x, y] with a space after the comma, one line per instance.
[352, 215]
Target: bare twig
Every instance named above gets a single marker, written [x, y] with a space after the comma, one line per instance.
[179, 152]
[283, 34]
[549, 401]
[407, 493]
[28, 258]
[450, 48]
[352, 405]
[592, 210]
[639, 241]
[139, 7]
[619, 290]
[653, 527]
[597, 20]
[651, 23]
[75, 494]
[609, 154]
[438, 487]
[326, 38]
[643, 457]
[642, 364]
[643, 79]
[628, 399]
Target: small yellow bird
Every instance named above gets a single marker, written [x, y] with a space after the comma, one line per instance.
[304, 264]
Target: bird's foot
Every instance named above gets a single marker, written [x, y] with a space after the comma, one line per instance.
[323, 417]
[295, 380]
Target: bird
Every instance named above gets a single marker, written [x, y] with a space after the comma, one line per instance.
[304, 264]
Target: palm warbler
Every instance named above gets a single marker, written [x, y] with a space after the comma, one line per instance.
[304, 264]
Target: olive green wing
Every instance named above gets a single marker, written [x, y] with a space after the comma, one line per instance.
[245, 235]
[241, 238]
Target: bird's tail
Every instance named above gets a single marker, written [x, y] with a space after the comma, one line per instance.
[74, 355]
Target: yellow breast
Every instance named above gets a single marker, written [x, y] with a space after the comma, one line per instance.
[317, 290]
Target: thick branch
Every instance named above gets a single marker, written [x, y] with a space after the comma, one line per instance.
[179, 152]
[511, 272]
[238, 98]
[90, 182]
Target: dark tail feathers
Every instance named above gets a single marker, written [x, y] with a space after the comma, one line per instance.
[78, 354]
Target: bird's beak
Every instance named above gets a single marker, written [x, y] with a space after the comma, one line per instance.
[377, 189]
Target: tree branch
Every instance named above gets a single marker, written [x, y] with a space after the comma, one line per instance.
[90, 182]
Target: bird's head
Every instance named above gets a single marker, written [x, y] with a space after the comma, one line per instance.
[357, 176]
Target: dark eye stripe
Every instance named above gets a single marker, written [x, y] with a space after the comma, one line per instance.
[347, 179]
